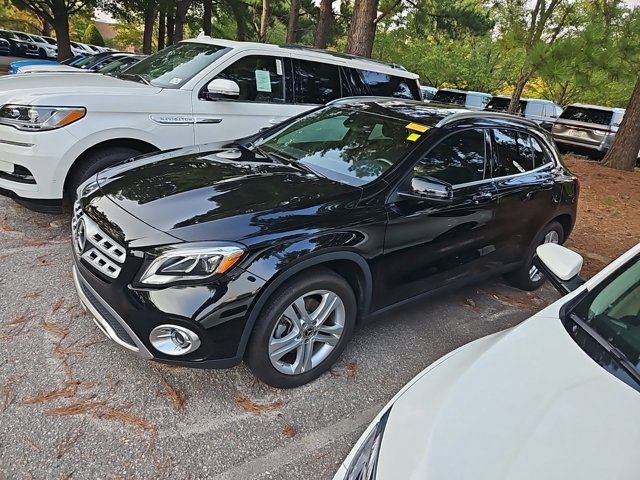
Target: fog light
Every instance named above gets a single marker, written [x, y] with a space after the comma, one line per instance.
[174, 340]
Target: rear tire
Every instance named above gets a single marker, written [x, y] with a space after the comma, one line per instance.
[95, 162]
[527, 277]
[312, 338]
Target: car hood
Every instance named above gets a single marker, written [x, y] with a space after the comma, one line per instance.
[522, 405]
[222, 195]
[66, 89]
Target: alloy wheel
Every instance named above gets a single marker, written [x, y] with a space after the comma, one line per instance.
[551, 237]
[306, 332]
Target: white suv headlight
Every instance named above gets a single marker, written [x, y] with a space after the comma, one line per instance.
[35, 119]
[190, 263]
[364, 463]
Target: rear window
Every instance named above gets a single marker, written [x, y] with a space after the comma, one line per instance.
[446, 96]
[588, 115]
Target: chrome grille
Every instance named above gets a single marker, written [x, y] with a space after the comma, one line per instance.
[94, 246]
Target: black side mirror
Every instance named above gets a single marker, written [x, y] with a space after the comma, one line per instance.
[429, 189]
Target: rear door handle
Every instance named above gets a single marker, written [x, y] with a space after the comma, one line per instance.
[482, 197]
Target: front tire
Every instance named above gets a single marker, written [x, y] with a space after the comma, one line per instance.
[94, 162]
[528, 277]
[302, 329]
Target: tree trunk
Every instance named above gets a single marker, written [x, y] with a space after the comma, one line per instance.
[149, 20]
[292, 27]
[517, 92]
[264, 21]
[325, 21]
[206, 17]
[162, 26]
[61, 26]
[171, 22]
[363, 28]
[623, 154]
[46, 27]
[182, 8]
[239, 10]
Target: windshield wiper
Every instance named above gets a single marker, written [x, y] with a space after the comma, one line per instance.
[133, 75]
[287, 161]
[620, 358]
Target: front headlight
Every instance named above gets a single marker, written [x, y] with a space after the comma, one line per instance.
[34, 119]
[184, 264]
[364, 463]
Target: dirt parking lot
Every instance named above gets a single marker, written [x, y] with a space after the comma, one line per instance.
[75, 405]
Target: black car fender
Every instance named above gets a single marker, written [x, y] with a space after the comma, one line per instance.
[295, 266]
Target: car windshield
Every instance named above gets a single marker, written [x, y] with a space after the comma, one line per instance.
[348, 145]
[86, 61]
[176, 65]
[588, 115]
[612, 309]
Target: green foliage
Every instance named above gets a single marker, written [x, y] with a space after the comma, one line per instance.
[92, 36]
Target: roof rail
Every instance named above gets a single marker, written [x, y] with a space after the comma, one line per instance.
[343, 55]
[455, 117]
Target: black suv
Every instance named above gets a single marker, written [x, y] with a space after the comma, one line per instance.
[274, 248]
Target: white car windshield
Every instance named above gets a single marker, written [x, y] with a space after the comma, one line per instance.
[175, 65]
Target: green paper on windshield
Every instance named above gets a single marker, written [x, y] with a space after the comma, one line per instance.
[263, 81]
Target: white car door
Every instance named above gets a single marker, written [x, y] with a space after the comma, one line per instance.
[265, 99]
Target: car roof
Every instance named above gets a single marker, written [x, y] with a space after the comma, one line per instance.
[432, 114]
[597, 107]
[350, 60]
[465, 91]
[522, 99]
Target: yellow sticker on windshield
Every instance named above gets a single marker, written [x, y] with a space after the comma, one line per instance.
[413, 137]
[417, 127]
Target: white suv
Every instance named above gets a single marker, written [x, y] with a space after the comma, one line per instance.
[56, 130]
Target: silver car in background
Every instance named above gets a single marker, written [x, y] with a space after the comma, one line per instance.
[543, 112]
[587, 127]
[467, 99]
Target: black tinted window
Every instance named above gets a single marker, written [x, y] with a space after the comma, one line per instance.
[540, 156]
[384, 85]
[317, 83]
[588, 115]
[446, 96]
[458, 159]
[260, 78]
[518, 152]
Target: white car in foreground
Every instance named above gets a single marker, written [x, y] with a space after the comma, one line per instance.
[556, 397]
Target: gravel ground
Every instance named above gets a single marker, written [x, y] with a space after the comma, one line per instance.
[74, 404]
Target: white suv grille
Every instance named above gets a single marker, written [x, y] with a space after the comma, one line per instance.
[94, 246]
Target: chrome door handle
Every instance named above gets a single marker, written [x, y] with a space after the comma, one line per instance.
[482, 197]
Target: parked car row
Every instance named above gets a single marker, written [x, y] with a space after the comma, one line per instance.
[586, 128]
[106, 63]
[21, 44]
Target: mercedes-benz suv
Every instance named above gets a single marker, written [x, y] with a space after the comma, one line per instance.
[274, 247]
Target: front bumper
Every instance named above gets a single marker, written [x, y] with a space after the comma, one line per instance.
[107, 320]
[39, 153]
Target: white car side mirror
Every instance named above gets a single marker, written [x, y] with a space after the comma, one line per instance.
[222, 88]
[562, 262]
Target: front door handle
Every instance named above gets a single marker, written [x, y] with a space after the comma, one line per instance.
[482, 197]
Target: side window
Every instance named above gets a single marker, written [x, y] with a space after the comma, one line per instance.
[516, 152]
[316, 82]
[260, 78]
[459, 158]
[540, 156]
[385, 85]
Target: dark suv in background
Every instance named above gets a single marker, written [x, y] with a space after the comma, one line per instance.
[275, 247]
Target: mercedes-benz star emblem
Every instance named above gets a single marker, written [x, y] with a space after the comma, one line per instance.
[81, 236]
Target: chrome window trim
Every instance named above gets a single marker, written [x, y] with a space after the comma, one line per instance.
[515, 175]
